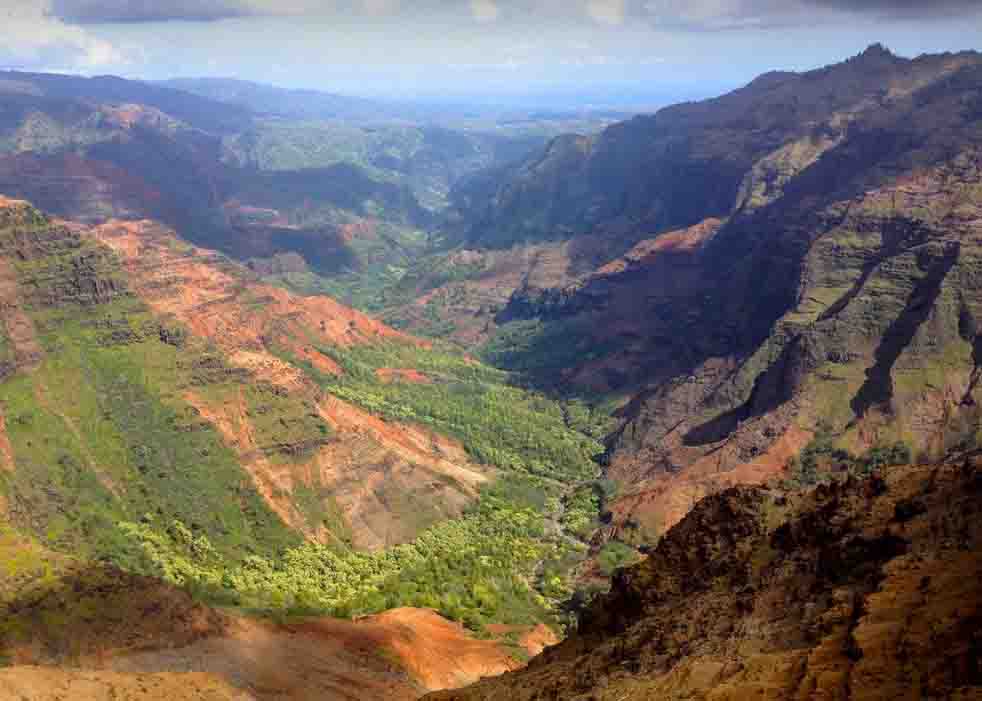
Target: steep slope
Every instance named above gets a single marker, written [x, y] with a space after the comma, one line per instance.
[846, 307]
[787, 266]
[862, 589]
[585, 201]
[166, 411]
[186, 337]
[695, 160]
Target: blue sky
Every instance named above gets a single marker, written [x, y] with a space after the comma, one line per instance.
[467, 48]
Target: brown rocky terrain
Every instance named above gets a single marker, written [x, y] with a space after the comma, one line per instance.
[859, 589]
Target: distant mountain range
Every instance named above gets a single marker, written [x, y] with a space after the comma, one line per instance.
[266, 99]
[263, 99]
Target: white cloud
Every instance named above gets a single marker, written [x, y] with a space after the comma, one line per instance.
[606, 11]
[724, 14]
[30, 36]
[484, 10]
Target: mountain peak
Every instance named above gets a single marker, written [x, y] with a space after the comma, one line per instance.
[877, 51]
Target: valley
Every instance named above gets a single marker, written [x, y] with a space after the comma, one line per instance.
[306, 396]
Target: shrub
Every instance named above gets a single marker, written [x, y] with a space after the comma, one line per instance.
[615, 555]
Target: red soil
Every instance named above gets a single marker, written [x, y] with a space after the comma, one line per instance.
[408, 375]
[678, 242]
[659, 501]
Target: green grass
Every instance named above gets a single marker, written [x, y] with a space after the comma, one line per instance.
[100, 429]
[498, 424]
[101, 433]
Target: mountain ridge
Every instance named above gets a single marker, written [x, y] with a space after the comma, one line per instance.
[816, 283]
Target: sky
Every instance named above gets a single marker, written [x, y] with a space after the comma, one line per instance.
[480, 49]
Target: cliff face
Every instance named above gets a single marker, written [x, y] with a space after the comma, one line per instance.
[848, 309]
[695, 160]
[796, 259]
[863, 589]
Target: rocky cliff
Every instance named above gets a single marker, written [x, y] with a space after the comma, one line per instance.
[861, 589]
[791, 262]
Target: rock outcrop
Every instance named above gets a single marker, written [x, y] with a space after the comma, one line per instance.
[861, 589]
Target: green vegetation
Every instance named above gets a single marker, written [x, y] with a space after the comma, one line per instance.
[99, 435]
[540, 350]
[821, 461]
[118, 459]
[477, 569]
[616, 555]
[372, 281]
[498, 424]
[582, 508]
[277, 144]
[101, 430]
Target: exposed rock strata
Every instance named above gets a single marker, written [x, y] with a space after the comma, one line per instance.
[864, 589]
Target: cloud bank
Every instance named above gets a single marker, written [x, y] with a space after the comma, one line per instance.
[692, 14]
[33, 37]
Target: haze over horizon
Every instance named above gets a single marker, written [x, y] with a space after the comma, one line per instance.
[619, 50]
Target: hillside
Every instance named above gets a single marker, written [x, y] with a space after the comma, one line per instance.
[862, 589]
[350, 198]
[542, 229]
[303, 104]
[786, 268]
[165, 410]
[691, 161]
[93, 633]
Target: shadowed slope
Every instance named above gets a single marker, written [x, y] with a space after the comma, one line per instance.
[859, 590]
